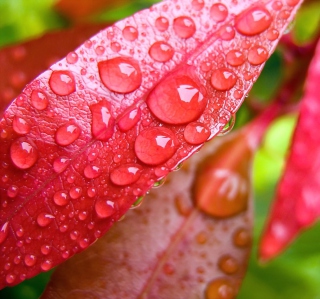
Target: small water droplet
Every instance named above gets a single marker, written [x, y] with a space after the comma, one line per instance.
[88, 44]
[23, 153]
[120, 74]
[161, 51]
[115, 47]
[201, 238]
[72, 57]
[184, 27]
[62, 83]
[235, 58]
[220, 288]
[162, 24]
[272, 34]
[10, 278]
[60, 164]
[91, 192]
[196, 133]
[197, 4]
[4, 232]
[30, 260]
[75, 192]
[253, 21]
[91, 171]
[83, 215]
[229, 126]
[156, 145]
[177, 100]
[242, 238]
[218, 12]
[257, 55]
[17, 259]
[63, 228]
[74, 235]
[102, 121]
[223, 79]
[61, 198]
[20, 232]
[39, 100]
[44, 219]
[228, 264]
[130, 33]
[125, 174]
[46, 265]
[12, 191]
[227, 32]
[104, 208]
[129, 119]
[99, 50]
[67, 134]
[45, 249]
[20, 125]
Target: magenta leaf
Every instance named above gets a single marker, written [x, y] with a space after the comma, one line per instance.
[297, 203]
[57, 195]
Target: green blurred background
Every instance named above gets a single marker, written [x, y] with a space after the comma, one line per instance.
[293, 275]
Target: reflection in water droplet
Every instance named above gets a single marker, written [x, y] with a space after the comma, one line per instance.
[228, 264]
[67, 134]
[223, 79]
[229, 126]
[159, 183]
[39, 100]
[62, 83]
[184, 27]
[218, 12]
[23, 153]
[220, 288]
[162, 24]
[161, 51]
[156, 145]
[196, 133]
[120, 74]
[137, 203]
[125, 174]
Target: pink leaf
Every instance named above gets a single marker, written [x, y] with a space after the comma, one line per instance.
[297, 203]
[57, 196]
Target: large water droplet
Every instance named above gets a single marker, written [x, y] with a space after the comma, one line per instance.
[104, 208]
[102, 121]
[196, 133]
[62, 83]
[161, 51]
[125, 174]
[129, 119]
[61, 198]
[20, 125]
[220, 288]
[39, 100]
[44, 219]
[23, 153]
[253, 21]
[228, 264]
[120, 74]
[184, 27]
[162, 24]
[155, 146]
[177, 100]
[257, 55]
[4, 232]
[235, 58]
[67, 134]
[223, 79]
[30, 260]
[130, 33]
[46, 265]
[218, 12]
[91, 171]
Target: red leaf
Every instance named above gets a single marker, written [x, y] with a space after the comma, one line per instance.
[116, 71]
[297, 203]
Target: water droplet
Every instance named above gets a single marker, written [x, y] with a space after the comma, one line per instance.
[84, 243]
[88, 44]
[137, 203]
[91, 192]
[10, 278]
[253, 21]
[220, 288]
[12, 191]
[46, 265]
[30, 260]
[125, 174]
[292, 2]
[20, 125]
[62, 83]
[130, 33]
[61, 198]
[102, 121]
[227, 32]
[67, 134]
[20, 232]
[156, 145]
[45, 249]
[129, 119]
[115, 47]
[39, 100]
[184, 27]
[74, 235]
[197, 4]
[218, 12]
[228, 264]
[60, 164]
[120, 74]
[159, 183]
[229, 126]
[235, 58]
[83, 215]
[99, 50]
[201, 238]
[72, 57]
[75, 192]
[63, 228]
[44, 219]
[23, 153]
[257, 55]
[104, 208]
[223, 79]
[162, 24]
[17, 259]
[196, 133]
[177, 100]
[161, 51]
[91, 171]
[4, 232]
[242, 238]
[272, 34]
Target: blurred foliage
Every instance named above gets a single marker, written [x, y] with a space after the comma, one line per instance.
[296, 273]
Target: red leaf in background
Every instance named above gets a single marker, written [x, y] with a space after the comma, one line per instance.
[57, 196]
[297, 203]
[22, 63]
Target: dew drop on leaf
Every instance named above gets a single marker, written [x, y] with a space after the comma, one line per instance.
[228, 264]
[72, 57]
[242, 238]
[253, 21]
[129, 119]
[4, 232]
[10, 278]
[272, 34]
[67, 134]
[39, 100]
[60, 164]
[44, 219]
[20, 125]
[227, 33]
[104, 208]
[91, 171]
[156, 145]
[30, 260]
[235, 58]
[125, 174]
[130, 33]
[61, 198]
[99, 50]
[12, 191]
[257, 55]
[292, 2]
[75, 192]
[46, 265]
[223, 79]
[184, 27]
[220, 288]
[23, 153]
[196, 133]
[120, 74]
[162, 24]
[197, 4]
[45, 249]
[115, 47]
[218, 12]
[62, 83]
[161, 51]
